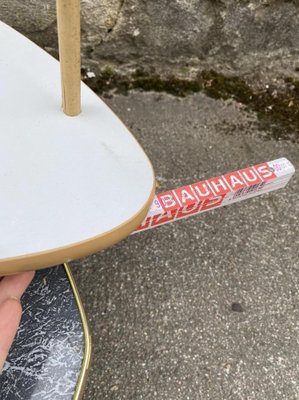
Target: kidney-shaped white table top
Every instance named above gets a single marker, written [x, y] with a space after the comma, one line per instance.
[69, 186]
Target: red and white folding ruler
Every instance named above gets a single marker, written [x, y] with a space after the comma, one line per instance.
[217, 192]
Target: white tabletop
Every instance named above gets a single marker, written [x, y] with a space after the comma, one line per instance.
[64, 181]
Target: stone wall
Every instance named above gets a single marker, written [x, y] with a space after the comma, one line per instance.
[181, 37]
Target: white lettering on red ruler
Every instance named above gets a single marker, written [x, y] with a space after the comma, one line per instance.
[216, 192]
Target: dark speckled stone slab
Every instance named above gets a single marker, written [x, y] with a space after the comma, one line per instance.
[46, 357]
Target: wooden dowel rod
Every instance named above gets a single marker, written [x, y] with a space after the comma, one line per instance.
[68, 23]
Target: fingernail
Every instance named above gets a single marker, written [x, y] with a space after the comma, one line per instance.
[14, 298]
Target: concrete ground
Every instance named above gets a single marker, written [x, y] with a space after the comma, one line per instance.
[206, 308]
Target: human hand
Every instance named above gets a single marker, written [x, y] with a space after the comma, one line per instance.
[11, 289]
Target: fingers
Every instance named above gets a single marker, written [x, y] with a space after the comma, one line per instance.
[11, 290]
[10, 316]
[14, 285]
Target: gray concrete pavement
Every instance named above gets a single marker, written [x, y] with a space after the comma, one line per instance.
[160, 303]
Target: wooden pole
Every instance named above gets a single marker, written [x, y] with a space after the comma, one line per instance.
[68, 23]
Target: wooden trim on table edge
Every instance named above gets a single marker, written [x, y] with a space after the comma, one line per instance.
[60, 255]
[80, 386]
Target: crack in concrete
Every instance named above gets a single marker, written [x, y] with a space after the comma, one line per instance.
[118, 12]
[109, 30]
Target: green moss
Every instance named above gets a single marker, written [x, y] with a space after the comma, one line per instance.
[278, 112]
[171, 84]
[108, 80]
[219, 86]
[108, 72]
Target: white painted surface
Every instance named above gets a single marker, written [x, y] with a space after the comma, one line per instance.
[62, 179]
